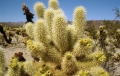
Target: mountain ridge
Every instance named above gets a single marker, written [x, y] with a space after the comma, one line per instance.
[21, 23]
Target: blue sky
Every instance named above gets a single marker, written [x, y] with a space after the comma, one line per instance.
[11, 10]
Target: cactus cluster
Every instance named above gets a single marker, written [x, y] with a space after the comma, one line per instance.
[15, 67]
[62, 48]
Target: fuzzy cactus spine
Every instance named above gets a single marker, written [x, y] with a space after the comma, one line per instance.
[79, 20]
[49, 15]
[69, 66]
[72, 38]
[40, 31]
[39, 9]
[29, 29]
[83, 73]
[98, 71]
[37, 49]
[59, 11]
[60, 33]
[15, 68]
[30, 68]
[99, 57]
[82, 48]
[53, 4]
[54, 56]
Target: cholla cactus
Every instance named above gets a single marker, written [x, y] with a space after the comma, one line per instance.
[40, 31]
[61, 47]
[49, 15]
[53, 4]
[99, 57]
[98, 71]
[59, 31]
[59, 11]
[2, 63]
[71, 35]
[82, 48]
[69, 65]
[117, 36]
[37, 49]
[79, 20]
[30, 67]
[39, 9]
[102, 36]
[29, 29]
[15, 68]
[83, 73]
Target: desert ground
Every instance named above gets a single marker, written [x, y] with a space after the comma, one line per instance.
[15, 47]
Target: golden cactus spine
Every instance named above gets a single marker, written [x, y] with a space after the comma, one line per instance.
[59, 11]
[68, 64]
[98, 71]
[71, 35]
[2, 63]
[79, 20]
[29, 29]
[60, 33]
[99, 57]
[83, 73]
[78, 50]
[37, 49]
[82, 48]
[15, 68]
[53, 4]
[40, 31]
[49, 15]
[39, 9]
[30, 68]
[54, 56]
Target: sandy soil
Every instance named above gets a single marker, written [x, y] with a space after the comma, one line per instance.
[17, 46]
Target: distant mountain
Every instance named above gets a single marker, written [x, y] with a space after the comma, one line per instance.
[96, 23]
[12, 23]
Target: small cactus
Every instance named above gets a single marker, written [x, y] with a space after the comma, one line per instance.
[2, 63]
